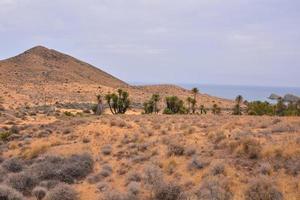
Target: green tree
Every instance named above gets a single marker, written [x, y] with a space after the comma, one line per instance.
[202, 109]
[280, 107]
[189, 102]
[237, 110]
[155, 98]
[260, 108]
[174, 106]
[151, 106]
[118, 103]
[195, 91]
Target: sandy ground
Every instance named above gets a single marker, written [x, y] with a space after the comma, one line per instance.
[138, 141]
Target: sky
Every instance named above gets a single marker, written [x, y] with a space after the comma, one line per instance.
[223, 42]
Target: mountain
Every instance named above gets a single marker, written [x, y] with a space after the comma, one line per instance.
[44, 76]
[42, 65]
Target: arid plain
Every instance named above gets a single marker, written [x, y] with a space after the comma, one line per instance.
[53, 147]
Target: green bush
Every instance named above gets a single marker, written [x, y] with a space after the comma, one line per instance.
[174, 106]
[118, 103]
[4, 135]
[260, 108]
[150, 106]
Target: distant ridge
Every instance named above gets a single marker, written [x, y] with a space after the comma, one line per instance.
[40, 64]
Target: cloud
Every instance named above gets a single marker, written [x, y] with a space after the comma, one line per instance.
[185, 41]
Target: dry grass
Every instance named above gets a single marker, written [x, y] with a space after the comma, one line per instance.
[157, 156]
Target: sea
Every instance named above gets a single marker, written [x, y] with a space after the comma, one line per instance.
[250, 93]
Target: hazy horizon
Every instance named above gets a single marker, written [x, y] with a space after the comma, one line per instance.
[240, 42]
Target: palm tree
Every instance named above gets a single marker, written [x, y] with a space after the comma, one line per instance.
[195, 91]
[202, 110]
[237, 110]
[108, 98]
[190, 102]
[239, 99]
[155, 99]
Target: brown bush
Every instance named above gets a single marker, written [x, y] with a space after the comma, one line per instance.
[262, 189]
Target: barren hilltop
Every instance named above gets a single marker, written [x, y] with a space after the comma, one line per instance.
[42, 75]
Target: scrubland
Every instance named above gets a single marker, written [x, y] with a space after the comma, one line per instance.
[56, 156]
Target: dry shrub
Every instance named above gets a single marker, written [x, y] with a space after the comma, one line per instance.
[13, 165]
[217, 136]
[7, 193]
[218, 168]
[106, 150]
[134, 188]
[175, 148]
[262, 189]
[133, 176]
[265, 168]
[39, 192]
[23, 182]
[249, 147]
[195, 163]
[282, 127]
[62, 192]
[153, 176]
[169, 191]
[214, 188]
[171, 167]
[35, 150]
[70, 168]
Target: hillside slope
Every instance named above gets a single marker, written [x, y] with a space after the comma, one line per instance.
[42, 65]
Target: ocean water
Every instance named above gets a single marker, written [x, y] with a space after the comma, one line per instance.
[250, 93]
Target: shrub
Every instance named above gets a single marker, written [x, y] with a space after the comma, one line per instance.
[195, 163]
[250, 147]
[265, 168]
[262, 189]
[4, 136]
[174, 106]
[260, 108]
[174, 148]
[106, 150]
[62, 192]
[7, 193]
[133, 176]
[169, 191]
[39, 192]
[134, 188]
[13, 165]
[14, 129]
[106, 171]
[23, 182]
[217, 168]
[214, 188]
[70, 169]
[153, 175]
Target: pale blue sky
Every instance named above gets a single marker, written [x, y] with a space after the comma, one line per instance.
[239, 42]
